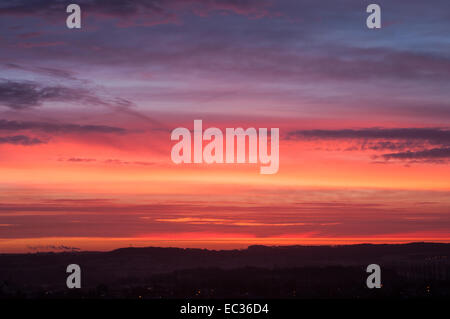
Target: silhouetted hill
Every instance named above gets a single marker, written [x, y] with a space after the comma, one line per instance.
[170, 272]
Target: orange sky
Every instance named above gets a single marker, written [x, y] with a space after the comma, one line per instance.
[85, 193]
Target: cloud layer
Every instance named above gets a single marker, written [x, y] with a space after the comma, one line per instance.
[6, 125]
[412, 143]
[20, 140]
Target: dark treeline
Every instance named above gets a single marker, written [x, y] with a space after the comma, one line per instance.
[408, 271]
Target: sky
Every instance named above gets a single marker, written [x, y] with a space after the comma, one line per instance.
[86, 116]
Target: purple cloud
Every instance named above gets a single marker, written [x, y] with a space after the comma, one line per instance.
[6, 125]
[20, 140]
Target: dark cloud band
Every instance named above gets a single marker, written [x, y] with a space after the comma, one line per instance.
[20, 140]
[435, 153]
[59, 128]
[432, 135]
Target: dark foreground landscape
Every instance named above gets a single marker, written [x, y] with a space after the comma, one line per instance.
[417, 270]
